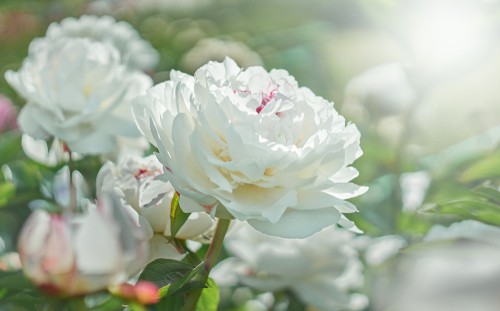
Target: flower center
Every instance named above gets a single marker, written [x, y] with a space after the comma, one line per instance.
[267, 97]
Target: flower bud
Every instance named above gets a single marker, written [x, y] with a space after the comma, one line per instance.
[72, 254]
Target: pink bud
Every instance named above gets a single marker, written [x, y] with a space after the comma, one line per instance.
[147, 292]
[73, 254]
[143, 292]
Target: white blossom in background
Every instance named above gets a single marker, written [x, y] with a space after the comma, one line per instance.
[78, 91]
[323, 270]
[456, 268]
[73, 254]
[414, 187]
[133, 179]
[252, 144]
[39, 150]
[213, 49]
[134, 51]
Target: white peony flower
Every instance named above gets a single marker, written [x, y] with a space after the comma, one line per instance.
[322, 270]
[134, 180]
[255, 144]
[73, 254]
[135, 52]
[78, 92]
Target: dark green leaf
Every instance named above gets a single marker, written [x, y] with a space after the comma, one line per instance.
[185, 283]
[163, 272]
[10, 146]
[170, 303]
[15, 280]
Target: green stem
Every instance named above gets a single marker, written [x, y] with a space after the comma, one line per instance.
[210, 261]
[73, 200]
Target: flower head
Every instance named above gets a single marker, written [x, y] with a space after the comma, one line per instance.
[135, 52]
[323, 269]
[79, 92]
[253, 144]
[72, 254]
[134, 180]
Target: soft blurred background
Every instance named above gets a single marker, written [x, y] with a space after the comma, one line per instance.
[420, 79]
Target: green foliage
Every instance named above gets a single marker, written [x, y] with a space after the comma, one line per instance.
[177, 216]
[209, 299]
[163, 272]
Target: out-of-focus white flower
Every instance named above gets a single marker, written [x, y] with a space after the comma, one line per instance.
[38, 150]
[79, 92]
[213, 49]
[457, 268]
[134, 51]
[134, 180]
[413, 189]
[378, 250]
[253, 144]
[8, 115]
[73, 254]
[322, 270]
[380, 91]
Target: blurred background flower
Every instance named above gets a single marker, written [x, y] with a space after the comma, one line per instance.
[71, 255]
[322, 270]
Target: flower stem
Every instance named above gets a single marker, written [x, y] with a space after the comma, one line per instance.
[73, 200]
[210, 261]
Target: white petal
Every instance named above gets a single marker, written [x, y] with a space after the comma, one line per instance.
[298, 223]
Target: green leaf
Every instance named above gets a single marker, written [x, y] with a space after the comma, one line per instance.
[186, 283]
[483, 211]
[489, 191]
[14, 280]
[170, 303]
[163, 272]
[7, 191]
[10, 146]
[177, 216]
[209, 299]
[488, 167]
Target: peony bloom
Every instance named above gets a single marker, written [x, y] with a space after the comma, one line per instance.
[78, 92]
[8, 115]
[134, 180]
[72, 254]
[135, 52]
[322, 270]
[253, 144]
